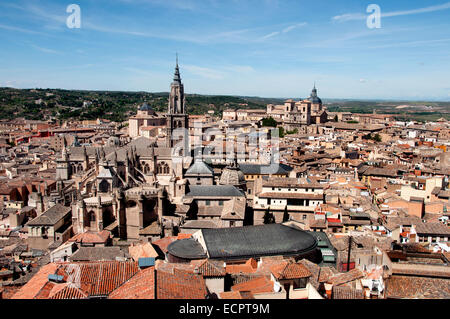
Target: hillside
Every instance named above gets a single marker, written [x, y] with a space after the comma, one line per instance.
[56, 104]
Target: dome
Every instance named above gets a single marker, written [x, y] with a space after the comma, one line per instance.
[314, 99]
[146, 107]
[232, 175]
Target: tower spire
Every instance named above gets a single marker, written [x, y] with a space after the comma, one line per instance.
[177, 77]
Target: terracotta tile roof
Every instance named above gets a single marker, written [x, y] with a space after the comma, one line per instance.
[290, 270]
[91, 237]
[209, 268]
[343, 278]
[236, 295]
[417, 287]
[44, 293]
[427, 270]
[265, 266]
[163, 243]
[141, 286]
[250, 266]
[344, 292]
[69, 292]
[257, 285]
[184, 236]
[101, 278]
[180, 285]
[36, 283]
[142, 250]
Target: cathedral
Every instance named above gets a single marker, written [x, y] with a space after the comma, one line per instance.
[147, 189]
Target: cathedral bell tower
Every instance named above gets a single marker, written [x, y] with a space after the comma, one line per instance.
[177, 134]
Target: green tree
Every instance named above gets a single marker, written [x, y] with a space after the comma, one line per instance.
[377, 138]
[268, 217]
[270, 122]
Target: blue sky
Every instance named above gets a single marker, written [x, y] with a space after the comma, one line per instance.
[269, 48]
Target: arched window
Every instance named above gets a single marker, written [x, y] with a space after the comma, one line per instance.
[146, 169]
[163, 168]
[104, 186]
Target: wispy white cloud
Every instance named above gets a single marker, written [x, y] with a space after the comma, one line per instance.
[204, 72]
[45, 50]
[360, 16]
[18, 29]
[285, 30]
[410, 43]
[270, 35]
[292, 27]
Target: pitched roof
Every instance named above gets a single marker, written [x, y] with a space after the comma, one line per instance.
[289, 270]
[51, 216]
[180, 285]
[257, 285]
[214, 191]
[199, 168]
[417, 287]
[36, 283]
[250, 266]
[236, 295]
[69, 292]
[140, 286]
[91, 237]
[142, 250]
[98, 254]
[433, 229]
[343, 278]
[344, 292]
[209, 268]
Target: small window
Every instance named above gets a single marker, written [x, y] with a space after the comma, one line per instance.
[220, 202]
[208, 203]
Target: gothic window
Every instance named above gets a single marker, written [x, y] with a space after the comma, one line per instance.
[163, 168]
[104, 186]
[146, 169]
[80, 168]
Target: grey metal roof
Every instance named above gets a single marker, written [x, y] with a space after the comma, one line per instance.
[200, 168]
[255, 241]
[214, 191]
[186, 249]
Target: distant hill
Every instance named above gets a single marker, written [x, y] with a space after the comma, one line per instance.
[57, 104]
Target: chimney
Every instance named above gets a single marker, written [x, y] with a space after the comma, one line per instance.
[328, 290]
